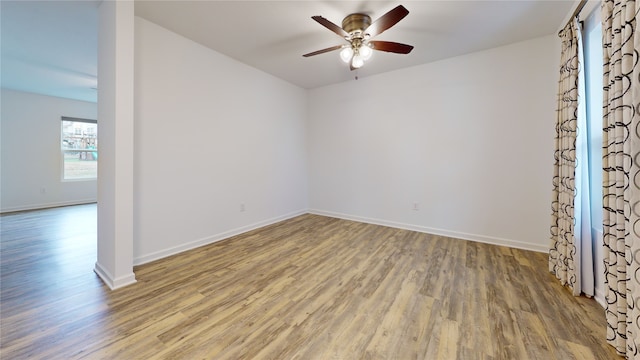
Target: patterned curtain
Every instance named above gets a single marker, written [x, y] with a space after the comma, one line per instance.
[621, 177]
[563, 252]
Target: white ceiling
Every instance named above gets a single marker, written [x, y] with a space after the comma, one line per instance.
[51, 46]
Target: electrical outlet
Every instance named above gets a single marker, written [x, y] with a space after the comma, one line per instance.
[416, 206]
[43, 190]
[242, 207]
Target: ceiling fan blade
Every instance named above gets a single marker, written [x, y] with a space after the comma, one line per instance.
[387, 20]
[331, 26]
[390, 46]
[324, 50]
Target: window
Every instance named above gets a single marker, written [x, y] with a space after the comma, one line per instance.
[79, 146]
[592, 40]
[588, 179]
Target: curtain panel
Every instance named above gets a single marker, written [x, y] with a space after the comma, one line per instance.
[621, 176]
[563, 255]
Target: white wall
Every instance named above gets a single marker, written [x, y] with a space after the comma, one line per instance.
[31, 166]
[469, 139]
[211, 134]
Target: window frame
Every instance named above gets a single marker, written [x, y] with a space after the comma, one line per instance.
[62, 149]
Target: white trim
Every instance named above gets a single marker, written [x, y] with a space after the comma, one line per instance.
[212, 239]
[588, 8]
[47, 205]
[423, 229]
[110, 281]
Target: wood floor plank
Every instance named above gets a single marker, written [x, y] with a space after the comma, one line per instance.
[311, 287]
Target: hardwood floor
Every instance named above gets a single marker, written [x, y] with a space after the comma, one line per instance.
[311, 287]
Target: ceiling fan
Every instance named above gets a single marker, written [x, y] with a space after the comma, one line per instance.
[357, 29]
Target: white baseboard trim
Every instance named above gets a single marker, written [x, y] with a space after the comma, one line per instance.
[46, 205]
[423, 229]
[212, 239]
[110, 281]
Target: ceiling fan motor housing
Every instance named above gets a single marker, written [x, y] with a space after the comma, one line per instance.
[356, 23]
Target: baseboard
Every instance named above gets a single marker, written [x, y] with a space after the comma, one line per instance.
[110, 281]
[47, 205]
[423, 229]
[212, 239]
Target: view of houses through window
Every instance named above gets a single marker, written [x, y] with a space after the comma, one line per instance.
[79, 148]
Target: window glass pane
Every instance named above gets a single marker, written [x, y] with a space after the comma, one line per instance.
[80, 149]
[593, 73]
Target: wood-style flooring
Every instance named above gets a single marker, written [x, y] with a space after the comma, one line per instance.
[311, 287]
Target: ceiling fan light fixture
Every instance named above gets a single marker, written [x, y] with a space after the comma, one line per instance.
[346, 54]
[357, 61]
[365, 52]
